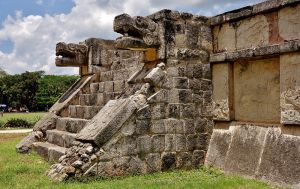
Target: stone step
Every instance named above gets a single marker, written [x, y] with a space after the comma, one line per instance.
[116, 86]
[97, 87]
[83, 112]
[50, 152]
[96, 99]
[60, 138]
[72, 125]
[108, 122]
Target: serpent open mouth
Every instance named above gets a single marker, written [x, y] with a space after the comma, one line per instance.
[70, 54]
[138, 32]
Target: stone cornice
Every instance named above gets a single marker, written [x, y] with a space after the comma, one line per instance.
[289, 46]
[267, 6]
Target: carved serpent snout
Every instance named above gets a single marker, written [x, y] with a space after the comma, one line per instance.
[70, 50]
[141, 28]
[123, 24]
[71, 54]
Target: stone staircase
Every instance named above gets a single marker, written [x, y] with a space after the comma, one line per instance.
[59, 139]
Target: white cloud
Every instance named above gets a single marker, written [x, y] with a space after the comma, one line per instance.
[39, 2]
[34, 37]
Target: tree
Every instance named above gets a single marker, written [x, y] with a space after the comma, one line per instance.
[51, 88]
[19, 90]
[34, 90]
[2, 73]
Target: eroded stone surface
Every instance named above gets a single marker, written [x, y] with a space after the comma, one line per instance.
[224, 38]
[218, 148]
[245, 149]
[222, 83]
[288, 22]
[158, 117]
[110, 118]
[256, 151]
[280, 161]
[256, 90]
[290, 88]
[253, 32]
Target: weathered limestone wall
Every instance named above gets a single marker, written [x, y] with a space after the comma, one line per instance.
[256, 92]
[172, 130]
[113, 68]
[177, 90]
[290, 88]
[161, 118]
[258, 28]
[259, 151]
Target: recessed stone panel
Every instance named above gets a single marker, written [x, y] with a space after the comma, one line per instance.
[222, 84]
[256, 90]
[290, 88]
[224, 38]
[289, 22]
[252, 32]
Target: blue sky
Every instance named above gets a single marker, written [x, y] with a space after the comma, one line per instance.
[29, 29]
[30, 7]
[34, 7]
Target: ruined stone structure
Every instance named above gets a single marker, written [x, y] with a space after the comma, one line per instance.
[177, 91]
[256, 79]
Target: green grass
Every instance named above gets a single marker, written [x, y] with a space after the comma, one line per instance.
[22, 171]
[30, 117]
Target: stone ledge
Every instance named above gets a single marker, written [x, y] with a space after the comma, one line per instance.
[248, 11]
[289, 46]
[254, 151]
[174, 15]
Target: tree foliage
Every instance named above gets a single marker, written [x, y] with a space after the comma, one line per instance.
[2, 73]
[19, 90]
[33, 90]
[51, 87]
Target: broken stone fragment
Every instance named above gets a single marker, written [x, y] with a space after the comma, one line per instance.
[93, 157]
[161, 65]
[62, 158]
[58, 173]
[160, 96]
[85, 158]
[110, 119]
[25, 145]
[156, 77]
[46, 123]
[38, 134]
[70, 170]
[89, 150]
[145, 89]
[77, 164]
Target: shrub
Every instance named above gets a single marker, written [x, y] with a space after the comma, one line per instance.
[16, 122]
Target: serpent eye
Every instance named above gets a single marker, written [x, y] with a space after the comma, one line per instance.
[152, 27]
[140, 22]
[71, 46]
